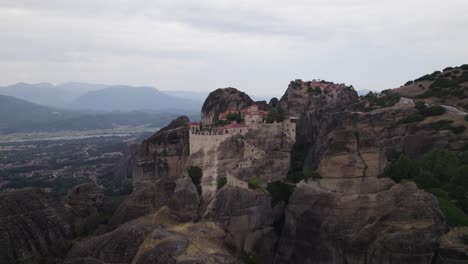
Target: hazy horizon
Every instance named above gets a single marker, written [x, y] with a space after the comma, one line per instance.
[255, 46]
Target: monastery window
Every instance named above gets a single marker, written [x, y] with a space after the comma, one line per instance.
[227, 132]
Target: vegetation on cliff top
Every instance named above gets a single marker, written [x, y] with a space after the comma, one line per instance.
[386, 98]
[450, 82]
[443, 174]
[423, 112]
[275, 114]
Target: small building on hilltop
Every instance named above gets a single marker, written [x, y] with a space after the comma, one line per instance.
[253, 115]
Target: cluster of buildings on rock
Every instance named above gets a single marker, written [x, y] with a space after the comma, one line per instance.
[252, 117]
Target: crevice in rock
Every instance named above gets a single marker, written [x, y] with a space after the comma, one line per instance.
[358, 148]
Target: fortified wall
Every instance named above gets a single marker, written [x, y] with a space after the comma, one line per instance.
[212, 138]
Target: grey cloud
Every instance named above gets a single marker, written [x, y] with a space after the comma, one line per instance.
[257, 45]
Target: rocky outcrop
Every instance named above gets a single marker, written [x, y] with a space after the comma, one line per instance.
[84, 199]
[163, 155]
[34, 227]
[302, 97]
[123, 170]
[453, 247]
[222, 100]
[162, 163]
[398, 225]
[143, 201]
[118, 246]
[351, 214]
[144, 243]
[248, 218]
[185, 201]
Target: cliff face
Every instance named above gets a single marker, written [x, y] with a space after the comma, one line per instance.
[221, 100]
[351, 214]
[247, 216]
[163, 155]
[398, 225]
[158, 173]
[34, 227]
[301, 97]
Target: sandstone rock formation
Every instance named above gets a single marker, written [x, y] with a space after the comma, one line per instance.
[163, 155]
[222, 100]
[123, 169]
[159, 175]
[398, 225]
[453, 246]
[185, 201]
[247, 216]
[146, 240]
[301, 97]
[351, 214]
[34, 227]
[144, 200]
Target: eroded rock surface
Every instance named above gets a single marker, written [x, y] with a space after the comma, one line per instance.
[351, 214]
[162, 163]
[399, 225]
[247, 216]
[163, 155]
[146, 240]
[453, 247]
[34, 227]
[222, 100]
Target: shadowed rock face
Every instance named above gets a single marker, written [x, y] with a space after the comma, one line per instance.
[163, 155]
[160, 176]
[146, 243]
[118, 246]
[222, 100]
[248, 218]
[143, 200]
[33, 227]
[399, 225]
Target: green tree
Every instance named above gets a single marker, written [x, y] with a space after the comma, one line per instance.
[276, 114]
[441, 163]
[234, 117]
[279, 191]
[403, 168]
[254, 183]
[220, 182]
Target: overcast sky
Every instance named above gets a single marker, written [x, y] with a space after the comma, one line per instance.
[255, 45]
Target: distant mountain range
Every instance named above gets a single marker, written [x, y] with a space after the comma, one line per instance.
[82, 106]
[104, 98]
[363, 92]
[17, 115]
[129, 98]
